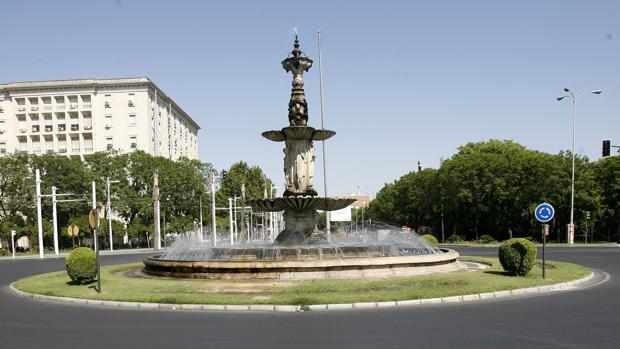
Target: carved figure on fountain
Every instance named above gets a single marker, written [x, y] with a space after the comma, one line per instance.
[299, 157]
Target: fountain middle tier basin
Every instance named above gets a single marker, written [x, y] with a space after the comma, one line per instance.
[303, 263]
[293, 133]
[300, 203]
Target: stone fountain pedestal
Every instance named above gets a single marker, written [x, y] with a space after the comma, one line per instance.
[300, 200]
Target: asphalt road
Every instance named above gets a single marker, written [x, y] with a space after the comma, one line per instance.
[587, 318]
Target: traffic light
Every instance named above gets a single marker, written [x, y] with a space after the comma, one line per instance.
[606, 147]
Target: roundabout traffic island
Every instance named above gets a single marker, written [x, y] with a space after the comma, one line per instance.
[128, 286]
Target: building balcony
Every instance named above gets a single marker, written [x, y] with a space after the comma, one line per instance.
[60, 107]
[35, 128]
[86, 105]
[75, 127]
[47, 107]
[34, 108]
[62, 127]
[49, 128]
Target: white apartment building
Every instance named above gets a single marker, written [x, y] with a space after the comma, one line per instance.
[79, 117]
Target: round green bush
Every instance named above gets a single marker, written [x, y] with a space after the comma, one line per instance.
[81, 265]
[486, 239]
[430, 239]
[455, 239]
[517, 256]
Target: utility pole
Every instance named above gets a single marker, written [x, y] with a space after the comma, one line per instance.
[157, 227]
[213, 221]
[13, 241]
[264, 213]
[243, 232]
[201, 235]
[109, 210]
[55, 221]
[95, 235]
[230, 220]
[39, 218]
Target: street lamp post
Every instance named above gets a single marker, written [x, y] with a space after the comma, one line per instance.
[571, 95]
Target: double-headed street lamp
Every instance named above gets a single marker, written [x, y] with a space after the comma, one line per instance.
[573, 98]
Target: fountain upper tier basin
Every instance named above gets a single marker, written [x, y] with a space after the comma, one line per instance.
[300, 203]
[298, 133]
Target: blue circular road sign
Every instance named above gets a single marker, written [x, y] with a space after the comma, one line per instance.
[544, 212]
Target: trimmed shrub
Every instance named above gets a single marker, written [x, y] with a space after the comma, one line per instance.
[4, 252]
[517, 256]
[81, 265]
[486, 239]
[454, 239]
[430, 239]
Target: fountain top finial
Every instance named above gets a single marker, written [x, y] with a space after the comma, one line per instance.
[296, 51]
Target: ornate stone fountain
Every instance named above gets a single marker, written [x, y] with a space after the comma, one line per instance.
[301, 251]
[300, 200]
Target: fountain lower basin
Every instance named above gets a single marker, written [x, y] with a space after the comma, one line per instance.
[315, 263]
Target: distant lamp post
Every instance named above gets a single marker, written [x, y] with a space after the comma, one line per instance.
[573, 98]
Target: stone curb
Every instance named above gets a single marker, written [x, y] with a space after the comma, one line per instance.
[314, 307]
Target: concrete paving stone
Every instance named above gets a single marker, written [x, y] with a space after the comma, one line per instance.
[471, 297]
[340, 306]
[452, 299]
[262, 307]
[518, 291]
[213, 307]
[314, 307]
[235, 307]
[190, 306]
[408, 302]
[547, 288]
[501, 294]
[365, 305]
[386, 304]
[430, 301]
[287, 308]
[487, 295]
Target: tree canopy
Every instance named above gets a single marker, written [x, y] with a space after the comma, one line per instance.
[492, 188]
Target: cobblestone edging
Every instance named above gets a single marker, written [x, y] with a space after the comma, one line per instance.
[315, 307]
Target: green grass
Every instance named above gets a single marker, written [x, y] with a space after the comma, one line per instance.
[117, 285]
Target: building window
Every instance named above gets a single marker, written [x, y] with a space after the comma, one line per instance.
[132, 119]
[62, 127]
[133, 142]
[108, 121]
[2, 147]
[131, 99]
[107, 100]
[109, 143]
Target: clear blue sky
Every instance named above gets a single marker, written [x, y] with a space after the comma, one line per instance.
[404, 81]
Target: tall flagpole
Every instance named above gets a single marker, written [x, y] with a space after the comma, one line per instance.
[327, 220]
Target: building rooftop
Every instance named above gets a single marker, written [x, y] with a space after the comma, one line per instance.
[27, 85]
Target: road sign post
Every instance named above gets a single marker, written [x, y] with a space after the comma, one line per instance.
[544, 213]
